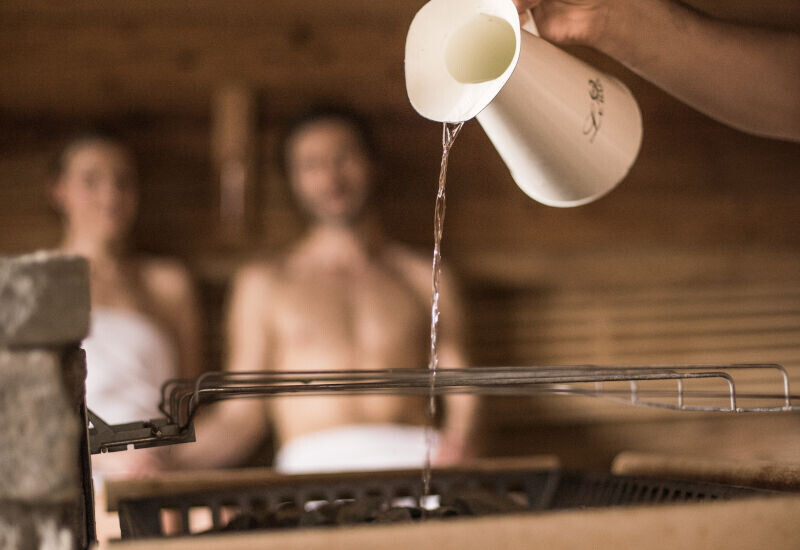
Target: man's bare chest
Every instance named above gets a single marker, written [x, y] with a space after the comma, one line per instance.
[371, 312]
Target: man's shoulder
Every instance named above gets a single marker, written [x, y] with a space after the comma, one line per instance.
[405, 256]
[258, 273]
[414, 266]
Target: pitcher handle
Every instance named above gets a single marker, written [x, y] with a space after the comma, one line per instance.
[527, 23]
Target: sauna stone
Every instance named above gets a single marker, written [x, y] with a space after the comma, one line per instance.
[38, 442]
[39, 470]
[44, 314]
[44, 300]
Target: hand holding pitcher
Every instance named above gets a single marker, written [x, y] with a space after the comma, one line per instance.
[567, 132]
[741, 75]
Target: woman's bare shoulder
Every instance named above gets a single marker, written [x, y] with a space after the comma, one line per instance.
[169, 289]
[165, 276]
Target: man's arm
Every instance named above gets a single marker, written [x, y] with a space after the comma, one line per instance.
[746, 77]
[458, 427]
[232, 429]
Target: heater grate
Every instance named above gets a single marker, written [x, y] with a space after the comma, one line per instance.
[531, 490]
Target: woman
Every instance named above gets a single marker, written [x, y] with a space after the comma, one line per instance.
[145, 321]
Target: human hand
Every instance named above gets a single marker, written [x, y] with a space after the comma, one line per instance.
[569, 21]
[453, 450]
[149, 462]
[139, 463]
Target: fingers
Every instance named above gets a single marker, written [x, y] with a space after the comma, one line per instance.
[524, 5]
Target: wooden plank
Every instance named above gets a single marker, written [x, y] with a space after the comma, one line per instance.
[168, 58]
[607, 266]
[750, 473]
[542, 331]
[607, 431]
[603, 354]
[248, 12]
[734, 525]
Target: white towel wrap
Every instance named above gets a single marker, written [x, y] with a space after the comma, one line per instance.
[128, 357]
[356, 447]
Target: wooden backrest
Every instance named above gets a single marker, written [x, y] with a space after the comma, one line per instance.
[678, 324]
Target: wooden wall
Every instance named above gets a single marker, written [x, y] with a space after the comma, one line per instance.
[703, 204]
[152, 69]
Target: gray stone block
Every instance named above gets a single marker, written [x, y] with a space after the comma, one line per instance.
[24, 527]
[44, 300]
[39, 431]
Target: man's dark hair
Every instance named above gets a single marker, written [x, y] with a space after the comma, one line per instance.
[324, 113]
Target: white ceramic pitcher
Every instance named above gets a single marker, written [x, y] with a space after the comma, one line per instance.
[567, 132]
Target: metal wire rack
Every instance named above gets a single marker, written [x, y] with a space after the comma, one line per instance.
[723, 388]
[743, 388]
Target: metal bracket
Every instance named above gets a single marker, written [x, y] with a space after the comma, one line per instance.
[157, 432]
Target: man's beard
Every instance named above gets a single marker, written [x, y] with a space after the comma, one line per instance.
[346, 218]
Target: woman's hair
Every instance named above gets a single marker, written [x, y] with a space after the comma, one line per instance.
[78, 139]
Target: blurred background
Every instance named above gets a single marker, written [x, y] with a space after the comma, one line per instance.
[695, 257]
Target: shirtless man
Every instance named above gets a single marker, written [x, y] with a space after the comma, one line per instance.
[343, 298]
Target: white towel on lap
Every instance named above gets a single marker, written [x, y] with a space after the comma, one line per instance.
[356, 447]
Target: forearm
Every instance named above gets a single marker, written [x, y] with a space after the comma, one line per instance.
[228, 433]
[457, 429]
[748, 78]
[461, 412]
